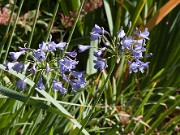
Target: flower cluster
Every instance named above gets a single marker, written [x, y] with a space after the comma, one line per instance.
[124, 44]
[136, 45]
[38, 60]
[67, 21]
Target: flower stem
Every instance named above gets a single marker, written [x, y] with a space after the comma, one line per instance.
[99, 96]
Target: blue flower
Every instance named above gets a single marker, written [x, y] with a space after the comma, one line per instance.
[21, 84]
[99, 52]
[40, 84]
[99, 30]
[18, 67]
[72, 54]
[145, 34]
[83, 48]
[16, 55]
[100, 64]
[95, 36]
[66, 64]
[10, 65]
[133, 66]
[76, 74]
[77, 83]
[138, 65]
[45, 47]
[48, 69]
[33, 69]
[121, 33]
[58, 86]
[126, 42]
[39, 55]
[61, 45]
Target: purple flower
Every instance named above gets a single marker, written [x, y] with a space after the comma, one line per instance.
[66, 64]
[48, 69]
[133, 66]
[58, 86]
[83, 48]
[99, 30]
[21, 84]
[121, 33]
[10, 65]
[18, 67]
[145, 34]
[138, 65]
[143, 65]
[61, 45]
[77, 83]
[95, 36]
[76, 74]
[40, 84]
[99, 52]
[33, 69]
[100, 63]
[72, 54]
[39, 55]
[16, 55]
[127, 42]
[45, 47]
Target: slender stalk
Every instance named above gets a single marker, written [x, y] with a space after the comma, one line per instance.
[7, 29]
[99, 96]
[34, 24]
[25, 102]
[53, 19]
[12, 34]
[74, 25]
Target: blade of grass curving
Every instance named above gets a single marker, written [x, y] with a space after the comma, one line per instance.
[162, 13]
[7, 29]
[52, 21]
[34, 24]
[90, 65]
[13, 30]
[118, 18]
[163, 115]
[153, 108]
[74, 25]
[109, 16]
[140, 108]
[98, 98]
[49, 98]
[136, 14]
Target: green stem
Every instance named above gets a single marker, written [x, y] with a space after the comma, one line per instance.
[25, 102]
[74, 26]
[53, 19]
[14, 27]
[136, 15]
[7, 29]
[99, 96]
[33, 28]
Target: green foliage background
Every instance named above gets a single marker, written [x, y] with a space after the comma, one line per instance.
[129, 103]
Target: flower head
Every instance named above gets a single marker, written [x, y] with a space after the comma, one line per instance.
[40, 84]
[16, 55]
[99, 52]
[100, 64]
[83, 48]
[66, 64]
[61, 45]
[72, 54]
[121, 33]
[21, 84]
[58, 86]
[33, 69]
[39, 55]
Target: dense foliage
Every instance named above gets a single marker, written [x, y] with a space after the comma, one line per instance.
[89, 67]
